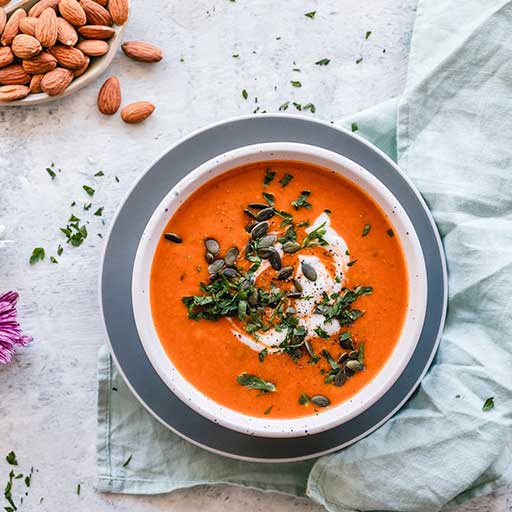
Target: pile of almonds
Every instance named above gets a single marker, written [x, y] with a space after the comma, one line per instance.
[46, 48]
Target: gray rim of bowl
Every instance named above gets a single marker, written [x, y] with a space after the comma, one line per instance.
[117, 263]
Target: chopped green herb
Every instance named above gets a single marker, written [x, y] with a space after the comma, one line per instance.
[310, 107]
[390, 232]
[255, 382]
[78, 489]
[75, 234]
[73, 204]
[360, 353]
[73, 218]
[235, 55]
[284, 106]
[51, 172]
[316, 237]
[11, 459]
[245, 95]
[352, 262]
[262, 354]
[296, 83]
[488, 404]
[60, 250]
[298, 106]
[127, 461]
[321, 333]
[328, 211]
[117, 179]
[99, 212]
[87, 206]
[304, 399]
[310, 14]
[90, 191]
[37, 255]
[368, 34]
[285, 180]
[354, 127]
[302, 200]
[358, 61]
[332, 363]
[269, 177]
[322, 62]
[366, 229]
[267, 411]
[53, 259]
[100, 173]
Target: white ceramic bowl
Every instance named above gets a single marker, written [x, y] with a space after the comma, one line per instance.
[333, 416]
[96, 68]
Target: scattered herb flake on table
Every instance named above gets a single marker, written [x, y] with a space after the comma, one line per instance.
[310, 107]
[127, 461]
[368, 34]
[359, 60]
[99, 173]
[99, 212]
[296, 83]
[284, 106]
[323, 62]
[37, 255]
[245, 95]
[488, 404]
[11, 459]
[354, 127]
[90, 191]
[51, 172]
[311, 14]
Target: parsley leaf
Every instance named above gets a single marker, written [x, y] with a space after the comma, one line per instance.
[90, 191]
[488, 404]
[354, 127]
[310, 14]
[255, 382]
[11, 459]
[301, 201]
[296, 83]
[37, 255]
[285, 180]
[269, 177]
[245, 95]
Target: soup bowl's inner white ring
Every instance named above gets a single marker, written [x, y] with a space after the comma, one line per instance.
[334, 415]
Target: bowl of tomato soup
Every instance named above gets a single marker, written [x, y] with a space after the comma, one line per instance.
[279, 289]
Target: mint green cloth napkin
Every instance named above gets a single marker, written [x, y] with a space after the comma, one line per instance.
[454, 139]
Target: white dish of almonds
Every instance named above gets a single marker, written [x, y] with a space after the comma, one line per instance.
[52, 48]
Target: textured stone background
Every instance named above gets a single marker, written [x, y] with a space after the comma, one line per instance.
[47, 407]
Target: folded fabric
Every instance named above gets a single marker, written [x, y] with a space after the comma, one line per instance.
[453, 138]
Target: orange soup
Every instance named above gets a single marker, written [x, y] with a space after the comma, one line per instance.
[279, 289]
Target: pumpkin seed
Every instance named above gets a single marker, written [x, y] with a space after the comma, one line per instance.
[258, 206]
[248, 249]
[265, 252]
[231, 256]
[216, 267]
[294, 295]
[285, 273]
[310, 350]
[339, 379]
[308, 271]
[250, 225]
[297, 285]
[354, 365]
[267, 241]
[265, 214]
[275, 259]
[259, 230]
[347, 343]
[354, 354]
[173, 237]
[343, 358]
[348, 371]
[229, 272]
[320, 400]
[212, 245]
[291, 247]
[249, 213]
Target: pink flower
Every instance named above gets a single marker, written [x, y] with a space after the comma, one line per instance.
[10, 330]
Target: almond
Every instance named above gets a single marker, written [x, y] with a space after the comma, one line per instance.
[46, 28]
[142, 51]
[35, 84]
[70, 58]
[72, 11]
[40, 6]
[28, 25]
[6, 56]
[137, 112]
[66, 33]
[14, 75]
[109, 97]
[4, 2]
[96, 14]
[3, 20]
[118, 10]
[104, 3]
[13, 92]
[80, 71]
[56, 81]
[43, 63]
[96, 32]
[93, 47]
[25, 47]
[12, 27]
